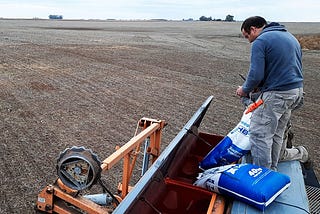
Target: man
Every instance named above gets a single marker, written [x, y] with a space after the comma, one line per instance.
[276, 72]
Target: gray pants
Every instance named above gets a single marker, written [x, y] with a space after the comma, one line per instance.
[268, 124]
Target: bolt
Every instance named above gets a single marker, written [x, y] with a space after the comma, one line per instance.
[48, 207]
[49, 189]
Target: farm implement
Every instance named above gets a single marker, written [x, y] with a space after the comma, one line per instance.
[167, 185]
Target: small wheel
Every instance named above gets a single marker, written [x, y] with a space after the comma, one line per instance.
[78, 168]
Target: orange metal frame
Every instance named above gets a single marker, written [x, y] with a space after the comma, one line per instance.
[151, 128]
[53, 198]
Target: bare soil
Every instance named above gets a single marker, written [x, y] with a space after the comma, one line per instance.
[87, 83]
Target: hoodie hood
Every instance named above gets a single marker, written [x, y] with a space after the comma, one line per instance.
[274, 26]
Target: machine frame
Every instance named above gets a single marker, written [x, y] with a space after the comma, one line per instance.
[59, 198]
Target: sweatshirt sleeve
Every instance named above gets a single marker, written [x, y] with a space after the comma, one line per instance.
[257, 67]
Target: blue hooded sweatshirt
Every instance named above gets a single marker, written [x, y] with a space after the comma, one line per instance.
[275, 61]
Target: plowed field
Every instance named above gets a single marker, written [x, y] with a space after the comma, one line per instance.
[87, 83]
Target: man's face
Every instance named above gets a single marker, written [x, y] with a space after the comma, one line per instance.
[252, 35]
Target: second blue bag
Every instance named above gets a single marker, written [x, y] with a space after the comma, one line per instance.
[252, 184]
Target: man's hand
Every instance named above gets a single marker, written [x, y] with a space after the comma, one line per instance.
[240, 92]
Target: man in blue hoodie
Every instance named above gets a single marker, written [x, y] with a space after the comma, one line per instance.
[276, 72]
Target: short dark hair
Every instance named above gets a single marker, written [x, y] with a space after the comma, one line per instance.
[254, 21]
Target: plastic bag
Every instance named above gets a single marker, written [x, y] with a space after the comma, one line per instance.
[252, 184]
[232, 147]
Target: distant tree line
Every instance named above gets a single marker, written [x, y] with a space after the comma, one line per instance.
[229, 18]
[55, 17]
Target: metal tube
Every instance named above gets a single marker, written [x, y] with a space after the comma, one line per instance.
[101, 199]
[146, 155]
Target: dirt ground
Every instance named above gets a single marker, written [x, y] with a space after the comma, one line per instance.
[87, 83]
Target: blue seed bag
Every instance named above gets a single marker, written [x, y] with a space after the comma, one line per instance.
[232, 147]
[251, 184]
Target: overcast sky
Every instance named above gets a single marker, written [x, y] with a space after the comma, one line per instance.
[272, 10]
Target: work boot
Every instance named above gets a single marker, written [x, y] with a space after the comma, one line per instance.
[306, 159]
[308, 164]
